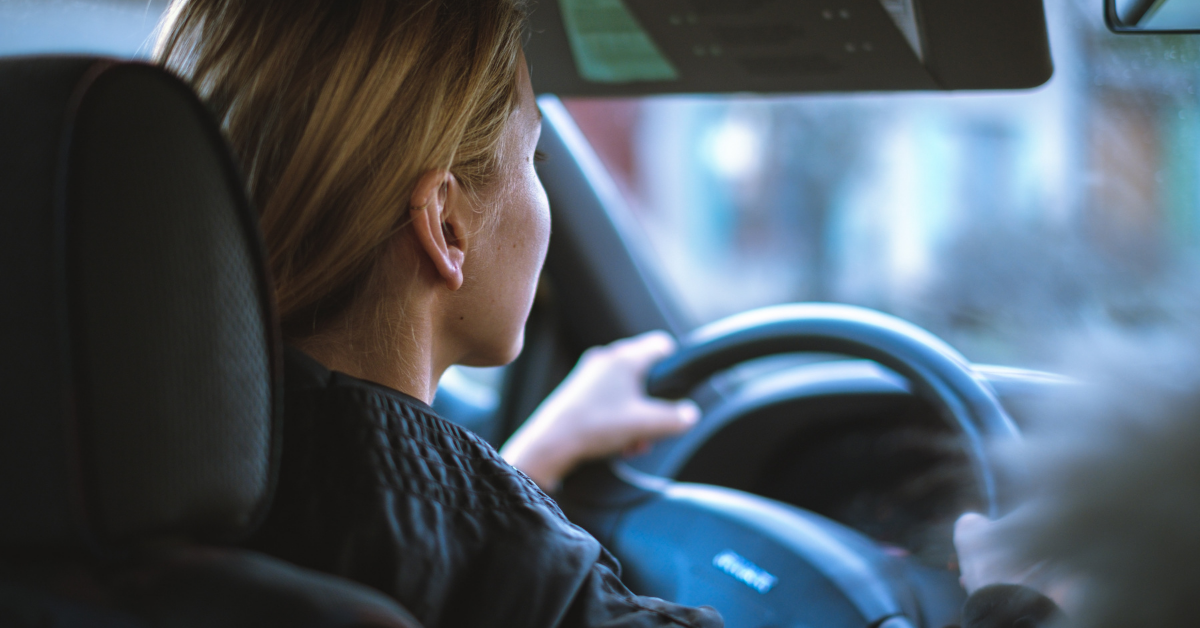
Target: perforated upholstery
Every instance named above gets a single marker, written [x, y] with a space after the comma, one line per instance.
[139, 385]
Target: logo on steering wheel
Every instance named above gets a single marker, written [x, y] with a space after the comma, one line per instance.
[745, 571]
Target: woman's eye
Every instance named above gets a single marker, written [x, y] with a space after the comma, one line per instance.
[539, 156]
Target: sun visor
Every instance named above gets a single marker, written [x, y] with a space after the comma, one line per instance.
[636, 47]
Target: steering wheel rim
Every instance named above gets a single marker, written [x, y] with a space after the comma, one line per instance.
[636, 515]
[937, 372]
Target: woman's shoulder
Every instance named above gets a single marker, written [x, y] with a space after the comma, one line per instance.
[409, 448]
[377, 488]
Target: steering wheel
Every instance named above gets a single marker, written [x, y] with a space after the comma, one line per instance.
[765, 563]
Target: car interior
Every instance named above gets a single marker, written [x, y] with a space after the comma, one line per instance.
[837, 444]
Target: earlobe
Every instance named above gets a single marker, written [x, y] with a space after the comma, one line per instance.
[455, 254]
[436, 227]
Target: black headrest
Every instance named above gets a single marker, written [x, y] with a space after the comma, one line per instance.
[139, 388]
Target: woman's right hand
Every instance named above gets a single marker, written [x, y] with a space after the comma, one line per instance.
[601, 409]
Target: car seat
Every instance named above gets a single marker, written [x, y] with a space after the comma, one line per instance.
[140, 389]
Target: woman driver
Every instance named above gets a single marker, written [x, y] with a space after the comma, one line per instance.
[389, 145]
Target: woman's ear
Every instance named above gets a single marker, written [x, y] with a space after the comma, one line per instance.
[438, 220]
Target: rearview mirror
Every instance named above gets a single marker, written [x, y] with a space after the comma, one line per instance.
[1152, 16]
[588, 48]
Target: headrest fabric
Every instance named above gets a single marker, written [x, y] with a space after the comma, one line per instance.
[137, 339]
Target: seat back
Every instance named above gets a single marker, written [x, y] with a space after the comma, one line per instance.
[140, 390]
[140, 407]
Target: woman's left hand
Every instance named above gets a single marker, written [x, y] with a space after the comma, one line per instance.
[601, 409]
[984, 558]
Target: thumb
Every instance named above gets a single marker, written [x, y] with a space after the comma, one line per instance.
[666, 418]
[970, 526]
[644, 350]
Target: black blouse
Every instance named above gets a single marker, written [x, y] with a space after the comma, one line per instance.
[374, 486]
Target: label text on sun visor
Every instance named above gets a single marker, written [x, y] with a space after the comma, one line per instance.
[609, 46]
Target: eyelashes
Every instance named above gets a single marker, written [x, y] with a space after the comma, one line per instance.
[539, 156]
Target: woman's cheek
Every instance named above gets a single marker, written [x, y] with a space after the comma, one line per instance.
[542, 203]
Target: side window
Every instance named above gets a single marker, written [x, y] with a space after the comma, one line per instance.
[118, 29]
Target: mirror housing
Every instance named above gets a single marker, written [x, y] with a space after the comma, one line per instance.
[1152, 16]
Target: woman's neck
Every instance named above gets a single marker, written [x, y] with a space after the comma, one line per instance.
[397, 353]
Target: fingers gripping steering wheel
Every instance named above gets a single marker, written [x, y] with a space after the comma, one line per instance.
[761, 562]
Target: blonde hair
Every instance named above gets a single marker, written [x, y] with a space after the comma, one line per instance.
[335, 108]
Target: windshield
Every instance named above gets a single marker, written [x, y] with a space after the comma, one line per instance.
[992, 219]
